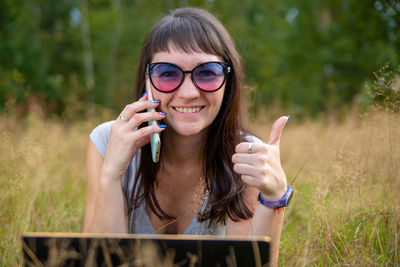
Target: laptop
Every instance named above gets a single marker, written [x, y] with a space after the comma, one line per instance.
[77, 249]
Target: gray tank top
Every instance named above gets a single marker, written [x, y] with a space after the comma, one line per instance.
[139, 220]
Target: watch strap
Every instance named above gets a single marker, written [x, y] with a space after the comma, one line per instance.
[274, 204]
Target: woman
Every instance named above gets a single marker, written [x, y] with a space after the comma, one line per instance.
[210, 170]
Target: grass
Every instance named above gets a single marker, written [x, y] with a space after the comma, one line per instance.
[345, 210]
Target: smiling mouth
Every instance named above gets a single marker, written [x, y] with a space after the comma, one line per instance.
[188, 109]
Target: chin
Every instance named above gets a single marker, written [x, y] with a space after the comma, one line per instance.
[189, 130]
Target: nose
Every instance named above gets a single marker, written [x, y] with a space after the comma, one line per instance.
[188, 89]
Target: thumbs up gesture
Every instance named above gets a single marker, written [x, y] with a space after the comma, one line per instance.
[259, 164]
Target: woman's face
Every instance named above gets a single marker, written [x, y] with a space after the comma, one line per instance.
[189, 110]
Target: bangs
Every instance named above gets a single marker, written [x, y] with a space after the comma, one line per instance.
[187, 34]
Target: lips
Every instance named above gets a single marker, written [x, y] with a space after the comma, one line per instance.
[189, 109]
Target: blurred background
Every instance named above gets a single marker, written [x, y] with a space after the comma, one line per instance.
[306, 57]
[333, 65]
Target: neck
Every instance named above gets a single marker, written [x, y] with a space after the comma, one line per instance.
[182, 155]
[183, 150]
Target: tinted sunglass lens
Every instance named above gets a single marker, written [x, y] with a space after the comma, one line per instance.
[166, 77]
[209, 76]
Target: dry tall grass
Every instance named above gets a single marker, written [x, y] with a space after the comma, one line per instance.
[347, 178]
[345, 210]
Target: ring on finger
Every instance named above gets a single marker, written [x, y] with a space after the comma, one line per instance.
[250, 147]
[123, 118]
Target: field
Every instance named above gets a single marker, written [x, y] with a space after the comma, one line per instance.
[346, 176]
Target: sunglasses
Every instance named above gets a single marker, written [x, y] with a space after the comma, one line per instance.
[208, 76]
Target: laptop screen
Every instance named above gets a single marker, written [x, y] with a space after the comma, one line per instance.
[67, 249]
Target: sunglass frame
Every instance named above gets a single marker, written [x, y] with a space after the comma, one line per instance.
[225, 66]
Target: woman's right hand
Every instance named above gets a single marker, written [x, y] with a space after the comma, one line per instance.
[125, 139]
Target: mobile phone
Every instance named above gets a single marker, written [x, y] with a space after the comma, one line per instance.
[155, 141]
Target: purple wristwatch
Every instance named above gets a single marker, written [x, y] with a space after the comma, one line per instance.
[275, 204]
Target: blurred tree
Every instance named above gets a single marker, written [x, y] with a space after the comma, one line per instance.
[308, 56]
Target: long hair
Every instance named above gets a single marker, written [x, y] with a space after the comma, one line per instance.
[196, 30]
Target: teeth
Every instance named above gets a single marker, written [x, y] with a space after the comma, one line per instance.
[188, 110]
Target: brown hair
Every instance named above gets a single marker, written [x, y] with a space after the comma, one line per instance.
[196, 30]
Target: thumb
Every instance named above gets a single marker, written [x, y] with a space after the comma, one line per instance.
[276, 131]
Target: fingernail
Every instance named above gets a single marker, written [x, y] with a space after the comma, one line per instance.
[162, 126]
[288, 117]
[145, 92]
[155, 101]
[163, 113]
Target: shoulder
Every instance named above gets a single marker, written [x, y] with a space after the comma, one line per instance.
[99, 136]
[105, 126]
[248, 137]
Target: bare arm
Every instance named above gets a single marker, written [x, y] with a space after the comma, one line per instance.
[259, 166]
[106, 209]
[265, 222]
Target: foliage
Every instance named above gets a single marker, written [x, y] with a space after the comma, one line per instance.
[307, 56]
[384, 91]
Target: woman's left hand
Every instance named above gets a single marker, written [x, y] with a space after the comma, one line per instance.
[259, 164]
